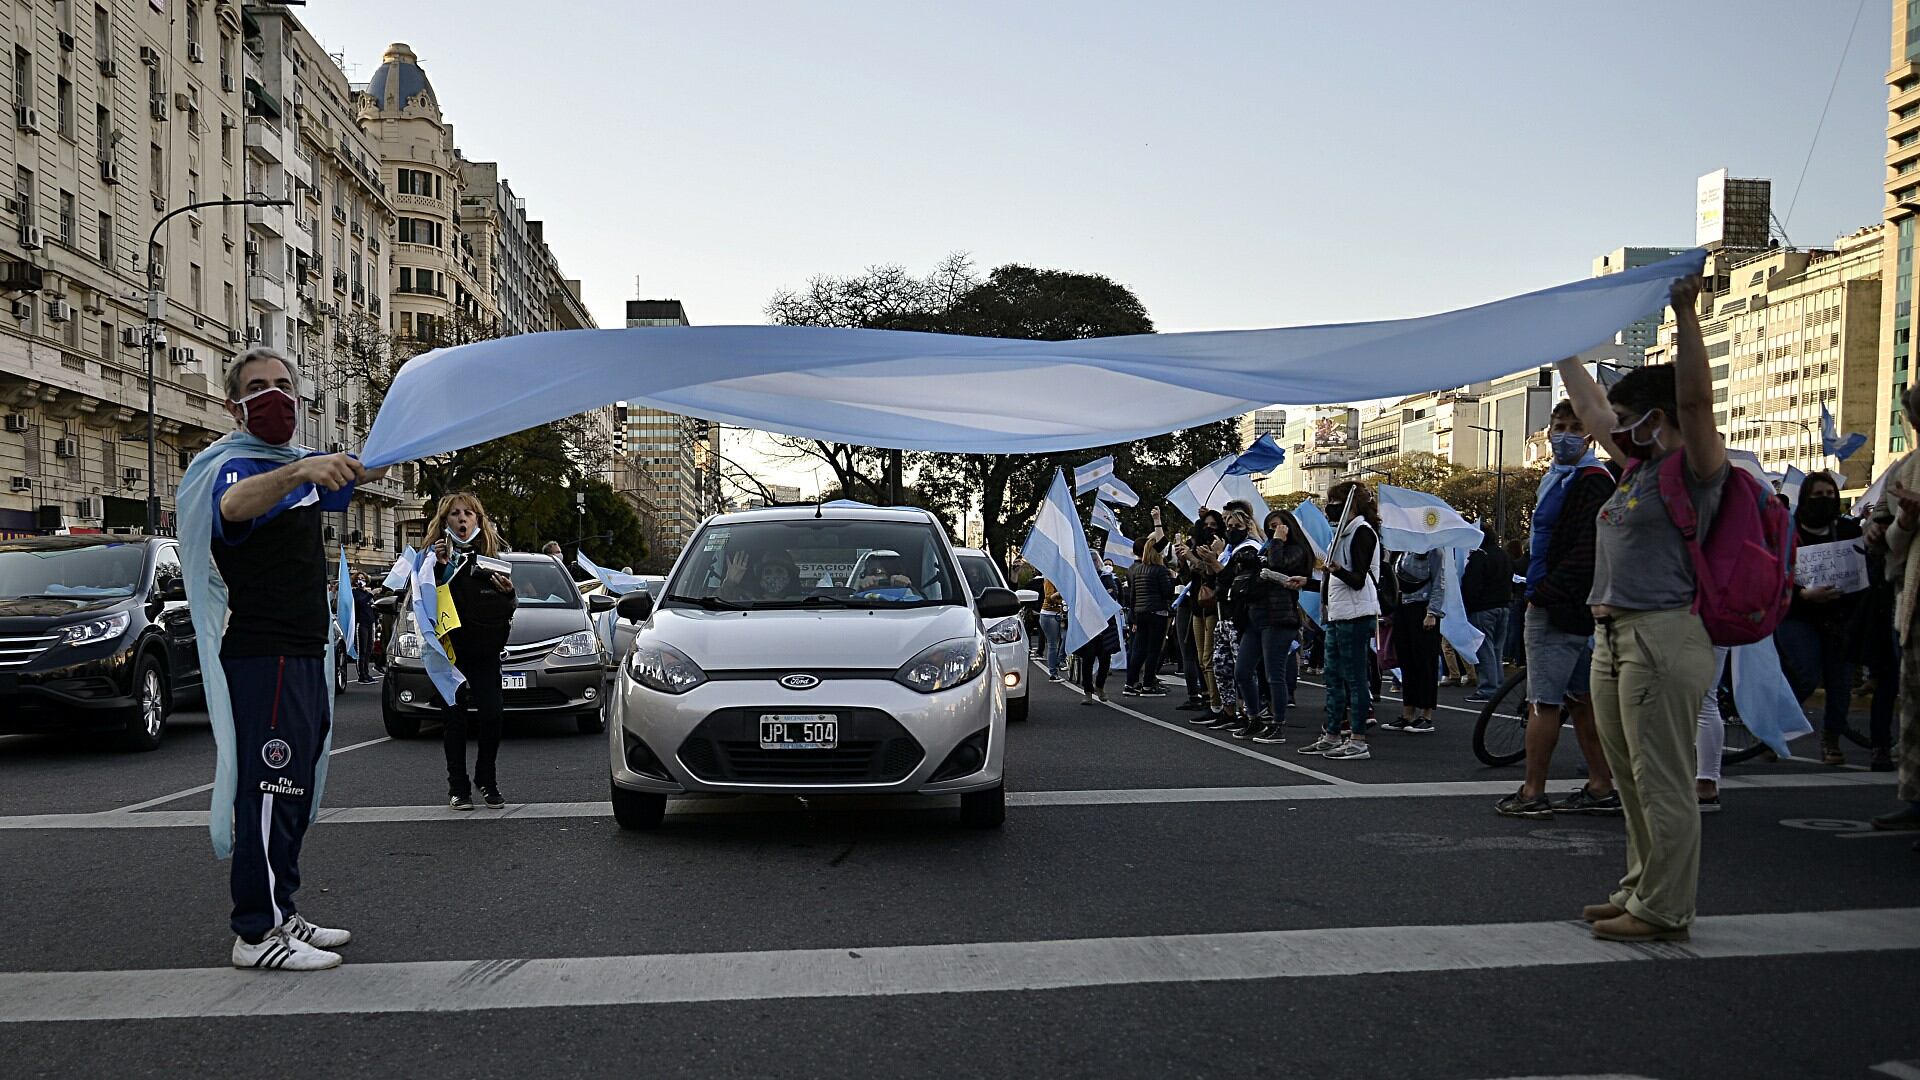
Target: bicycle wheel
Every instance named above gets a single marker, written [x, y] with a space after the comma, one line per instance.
[1741, 742]
[1500, 734]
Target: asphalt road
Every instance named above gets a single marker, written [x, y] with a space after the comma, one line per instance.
[1160, 902]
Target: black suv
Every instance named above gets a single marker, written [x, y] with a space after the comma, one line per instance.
[95, 636]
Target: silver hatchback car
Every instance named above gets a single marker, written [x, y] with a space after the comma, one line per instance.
[811, 651]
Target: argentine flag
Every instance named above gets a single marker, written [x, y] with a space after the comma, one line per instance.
[1213, 487]
[1832, 443]
[1087, 477]
[1057, 547]
[1115, 490]
[343, 612]
[1415, 521]
[426, 615]
[1118, 548]
[1319, 534]
[617, 583]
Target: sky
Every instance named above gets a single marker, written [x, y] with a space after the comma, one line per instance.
[1237, 165]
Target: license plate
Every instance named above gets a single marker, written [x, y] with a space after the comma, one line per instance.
[514, 680]
[799, 731]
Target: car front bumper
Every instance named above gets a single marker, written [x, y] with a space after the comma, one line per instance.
[87, 692]
[549, 689]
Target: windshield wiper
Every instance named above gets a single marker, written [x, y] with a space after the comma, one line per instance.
[709, 603]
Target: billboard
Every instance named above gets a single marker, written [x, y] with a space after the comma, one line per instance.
[1333, 431]
[1710, 211]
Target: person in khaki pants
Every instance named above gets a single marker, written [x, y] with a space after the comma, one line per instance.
[1652, 660]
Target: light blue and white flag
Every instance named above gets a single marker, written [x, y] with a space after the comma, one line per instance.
[1104, 518]
[1830, 439]
[1416, 521]
[1087, 477]
[1262, 457]
[426, 616]
[1319, 534]
[343, 612]
[1213, 487]
[1119, 551]
[1057, 547]
[617, 583]
[1115, 490]
[1766, 700]
[402, 570]
[1790, 485]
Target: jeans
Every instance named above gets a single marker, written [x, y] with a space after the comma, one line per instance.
[1264, 650]
[1816, 656]
[1143, 660]
[1493, 623]
[1053, 627]
[1347, 698]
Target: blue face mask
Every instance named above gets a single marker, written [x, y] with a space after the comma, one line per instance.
[1568, 448]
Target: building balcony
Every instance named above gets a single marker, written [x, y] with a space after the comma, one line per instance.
[422, 202]
[270, 219]
[267, 292]
[265, 143]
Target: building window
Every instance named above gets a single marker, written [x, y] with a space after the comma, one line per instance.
[22, 78]
[67, 223]
[106, 341]
[157, 170]
[65, 105]
[226, 137]
[23, 188]
[193, 23]
[194, 287]
[102, 33]
[106, 239]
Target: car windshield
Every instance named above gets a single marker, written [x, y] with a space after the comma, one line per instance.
[981, 574]
[826, 562]
[542, 583]
[80, 572]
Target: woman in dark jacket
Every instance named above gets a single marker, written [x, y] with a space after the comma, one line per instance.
[1152, 605]
[460, 535]
[1814, 637]
[1265, 595]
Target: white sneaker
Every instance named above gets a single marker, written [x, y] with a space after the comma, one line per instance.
[278, 952]
[1320, 746]
[1349, 751]
[320, 937]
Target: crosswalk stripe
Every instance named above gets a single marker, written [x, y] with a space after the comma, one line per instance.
[981, 967]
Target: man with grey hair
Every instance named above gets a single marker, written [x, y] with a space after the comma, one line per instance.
[252, 502]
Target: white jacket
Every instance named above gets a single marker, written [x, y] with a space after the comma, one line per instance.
[1343, 601]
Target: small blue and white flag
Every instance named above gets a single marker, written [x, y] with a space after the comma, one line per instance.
[1319, 533]
[1057, 547]
[425, 603]
[1087, 477]
[343, 607]
[1416, 521]
[1213, 487]
[402, 570]
[1119, 551]
[1831, 442]
[617, 583]
[1115, 490]
[1790, 485]
[1104, 518]
[1262, 457]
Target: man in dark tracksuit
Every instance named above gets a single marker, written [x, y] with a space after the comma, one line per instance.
[267, 545]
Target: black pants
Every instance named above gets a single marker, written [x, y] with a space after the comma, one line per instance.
[363, 644]
[478, 706]
[280, 720]
[1143, 662]
[1095, 663]
[1418, 650]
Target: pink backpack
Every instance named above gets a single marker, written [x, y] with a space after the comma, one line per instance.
[1743, 574]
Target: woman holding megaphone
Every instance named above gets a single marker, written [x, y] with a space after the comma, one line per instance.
[464, 540]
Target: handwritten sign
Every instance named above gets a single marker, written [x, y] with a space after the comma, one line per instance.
[1841, 566]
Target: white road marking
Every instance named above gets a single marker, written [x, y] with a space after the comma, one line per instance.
[366, 815]
[1901, 1070]
[1191, 732]
[1384, 696]
[209, 787]
[860, 971]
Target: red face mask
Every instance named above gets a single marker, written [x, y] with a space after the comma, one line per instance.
[269, 415]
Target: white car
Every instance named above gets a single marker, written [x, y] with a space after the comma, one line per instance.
[1008, 635]
[767, 665]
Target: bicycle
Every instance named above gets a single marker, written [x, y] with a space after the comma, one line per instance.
[1500, 733]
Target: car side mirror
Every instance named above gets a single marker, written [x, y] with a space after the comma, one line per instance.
[173, 591]
[599, 602]
[996, 603]
[386, 604]
[637, 607]
[1026, 596]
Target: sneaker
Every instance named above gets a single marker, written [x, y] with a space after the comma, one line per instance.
[1586, 802]
[1398, 723]
[1479, 697]
[491, 796]
[1349, 751]
[459, 802]
[1152, 691]
[278, 952]
[1906, 820]
[1245, 731]
[1222, 720]
[1419, 725]
[1192, 704]
[1128, 691]
[1709, 804]
[1830, 752]
[1100, 696]
[1882, 760]
[1320, 746]
[320, 937]
[1270, 736]
[1056, 678]
[1518, 805]
[1205, 719]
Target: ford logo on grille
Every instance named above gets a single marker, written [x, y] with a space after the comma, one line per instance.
[799, 681]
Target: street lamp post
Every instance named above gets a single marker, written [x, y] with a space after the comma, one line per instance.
[1499, 479]
[156, 336]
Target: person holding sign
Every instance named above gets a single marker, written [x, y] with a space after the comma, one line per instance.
[476, 610]
[1830, 577]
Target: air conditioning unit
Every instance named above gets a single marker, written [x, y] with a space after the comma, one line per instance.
[159, 201]
[157, 105]
[22, 310]
[109, 69]
[32, 238]
[226, 85]
[235, 338]
[253, 247]
[196, 54]
[109, 170]
[327, 310]
[149, 56]
[67, 447]
[131, 337]
[253, 335]
[16, 422]
[131, 475]
[249, 101]
[90, 506]
[357, 537]
[21, 483]
[66, 41]
[59, 310]
[181, 101]
[27, 119]
[180, 355]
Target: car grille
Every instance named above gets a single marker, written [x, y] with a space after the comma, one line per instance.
[874, 749]
[18, 650]
[534, 697]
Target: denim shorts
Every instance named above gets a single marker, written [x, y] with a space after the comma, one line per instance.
[1557, 662]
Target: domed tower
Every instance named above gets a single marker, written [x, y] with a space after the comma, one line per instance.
[399, 108]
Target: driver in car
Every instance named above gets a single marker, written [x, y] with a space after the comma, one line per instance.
[881, 579]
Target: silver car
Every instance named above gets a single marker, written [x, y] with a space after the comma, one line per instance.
[1008, 635]
[811, 651]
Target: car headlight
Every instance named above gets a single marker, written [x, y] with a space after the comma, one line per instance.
[944, 666]
[407, 646]
[87, 633]
[1004, 632]
[659, 666]
[580, 643]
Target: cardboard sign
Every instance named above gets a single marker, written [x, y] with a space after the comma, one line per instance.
[1841, 565]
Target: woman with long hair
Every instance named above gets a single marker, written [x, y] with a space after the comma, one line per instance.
[460, 534]
[1151, 594]
[1268, 581]
[1352, 607]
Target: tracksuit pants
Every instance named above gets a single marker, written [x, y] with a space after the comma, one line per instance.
[280, 720]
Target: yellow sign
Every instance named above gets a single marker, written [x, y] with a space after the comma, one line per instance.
[447, 621]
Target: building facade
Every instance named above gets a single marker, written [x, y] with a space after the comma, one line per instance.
[1321, 441]
[1902, 187]
[669, 457]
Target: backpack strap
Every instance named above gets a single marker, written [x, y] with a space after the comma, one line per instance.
[1678, 497]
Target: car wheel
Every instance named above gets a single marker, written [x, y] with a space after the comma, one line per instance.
[984, 809]
[590, 723]
[1017, 708]
[638, 811]
[148, 724]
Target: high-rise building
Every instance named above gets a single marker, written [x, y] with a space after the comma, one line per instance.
[1638, 335]
[1270, 421]
[672, 460]
[1902, 187]
[1320, 442]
